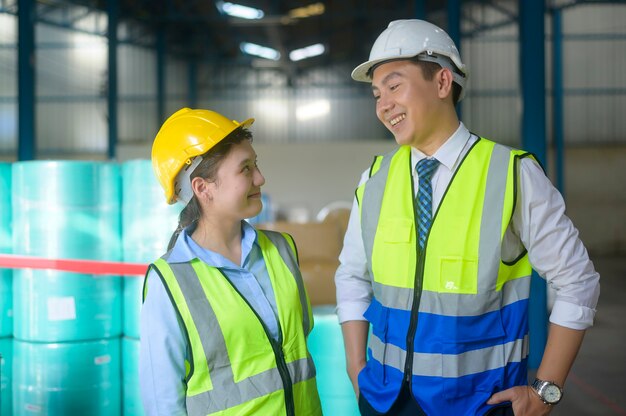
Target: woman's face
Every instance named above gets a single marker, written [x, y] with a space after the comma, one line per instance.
[236, 193]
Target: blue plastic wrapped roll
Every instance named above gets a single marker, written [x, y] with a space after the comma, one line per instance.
[326, 346]
[6, 246]
[6, 354]
[133, 286]
[147, 225]
[73, 378]
[57, 307]
[71, 210]
[130, 374]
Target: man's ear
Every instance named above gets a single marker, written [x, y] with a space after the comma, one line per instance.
[202, 188]
[444, 83]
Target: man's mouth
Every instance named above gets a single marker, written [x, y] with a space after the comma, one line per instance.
[397, 119]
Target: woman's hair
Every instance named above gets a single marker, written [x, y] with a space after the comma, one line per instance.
[207, 169]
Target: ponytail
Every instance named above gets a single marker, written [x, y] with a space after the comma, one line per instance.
[189, 215]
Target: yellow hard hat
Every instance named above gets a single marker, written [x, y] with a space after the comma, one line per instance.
[186, 134]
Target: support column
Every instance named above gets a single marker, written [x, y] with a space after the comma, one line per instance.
[160, 74]
[533, 81]
[557, 98]
[454, 30]
[26, 64]
[113, 15]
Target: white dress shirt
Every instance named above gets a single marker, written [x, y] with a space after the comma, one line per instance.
[539, 221]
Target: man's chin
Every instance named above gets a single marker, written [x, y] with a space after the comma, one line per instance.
[402, 140]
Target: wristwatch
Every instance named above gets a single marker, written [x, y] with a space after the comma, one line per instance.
[548, 391]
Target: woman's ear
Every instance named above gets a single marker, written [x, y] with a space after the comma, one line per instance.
[202, 189]
[444, 82]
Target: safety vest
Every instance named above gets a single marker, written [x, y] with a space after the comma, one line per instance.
[235, 366]
[452, 318]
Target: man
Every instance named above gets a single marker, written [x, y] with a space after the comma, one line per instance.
[438, 252]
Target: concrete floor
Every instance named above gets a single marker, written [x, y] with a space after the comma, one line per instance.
[596, 385]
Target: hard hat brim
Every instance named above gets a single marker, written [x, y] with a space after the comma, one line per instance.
[360, 73]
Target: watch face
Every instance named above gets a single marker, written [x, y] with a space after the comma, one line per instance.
[552, 394]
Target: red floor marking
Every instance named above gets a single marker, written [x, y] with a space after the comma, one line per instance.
[592, 391]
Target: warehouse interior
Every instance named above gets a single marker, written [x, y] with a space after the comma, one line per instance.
[86, 84]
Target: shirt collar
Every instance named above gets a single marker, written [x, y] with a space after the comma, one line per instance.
[186, 249]
[448, 154]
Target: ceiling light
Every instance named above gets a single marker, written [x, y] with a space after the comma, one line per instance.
[312, 110]
[260, 51]
[314, 9]
[308, 52]
[237, 10]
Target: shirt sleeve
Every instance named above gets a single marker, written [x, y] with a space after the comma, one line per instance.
[554, 248]
[162, 353]
[352, 280]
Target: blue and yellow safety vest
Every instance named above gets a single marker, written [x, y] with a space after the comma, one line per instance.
[235, 366]
[452, 318]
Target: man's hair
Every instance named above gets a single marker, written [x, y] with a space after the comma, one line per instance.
[429, 69]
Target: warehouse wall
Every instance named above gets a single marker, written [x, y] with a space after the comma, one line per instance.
[302, 178]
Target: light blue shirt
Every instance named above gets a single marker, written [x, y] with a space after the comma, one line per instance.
[163, 346]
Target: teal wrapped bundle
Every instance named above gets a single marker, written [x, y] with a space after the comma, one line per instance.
[6, 246]
[70, 210]
[326, 346]
[67, 209]
[133, 286]
[57, 306]
[147, 225]
[130, 374]
[6, 354]
[72, 378]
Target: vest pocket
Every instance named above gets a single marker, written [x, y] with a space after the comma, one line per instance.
[475, 363]
[378, 316]
[458, 275]
[393, 262]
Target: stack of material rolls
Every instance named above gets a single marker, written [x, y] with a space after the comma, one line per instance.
[147, 224]
[67, 326]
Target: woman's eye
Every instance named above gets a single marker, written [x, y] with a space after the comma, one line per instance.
[394, 87]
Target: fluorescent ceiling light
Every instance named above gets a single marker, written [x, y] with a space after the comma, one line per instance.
[237, 10]
[312, 110]
[308, 52]
[261, 51]
[314, 9]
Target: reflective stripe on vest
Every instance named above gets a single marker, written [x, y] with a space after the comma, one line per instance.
[391, 277]
[471, 307]
[233, 368]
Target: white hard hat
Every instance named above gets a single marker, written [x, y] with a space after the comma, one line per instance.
[405, 39]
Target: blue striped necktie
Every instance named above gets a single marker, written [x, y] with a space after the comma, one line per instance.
[425, 170]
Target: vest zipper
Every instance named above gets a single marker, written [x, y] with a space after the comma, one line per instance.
[417, 294]
[281, 364]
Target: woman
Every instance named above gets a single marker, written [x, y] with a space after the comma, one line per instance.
[225, 314]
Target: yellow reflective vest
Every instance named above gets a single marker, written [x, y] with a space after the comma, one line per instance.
[451, 319]
[236, 367]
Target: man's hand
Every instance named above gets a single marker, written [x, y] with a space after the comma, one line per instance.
[355, 339]
[353, 373]
[525, 401]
